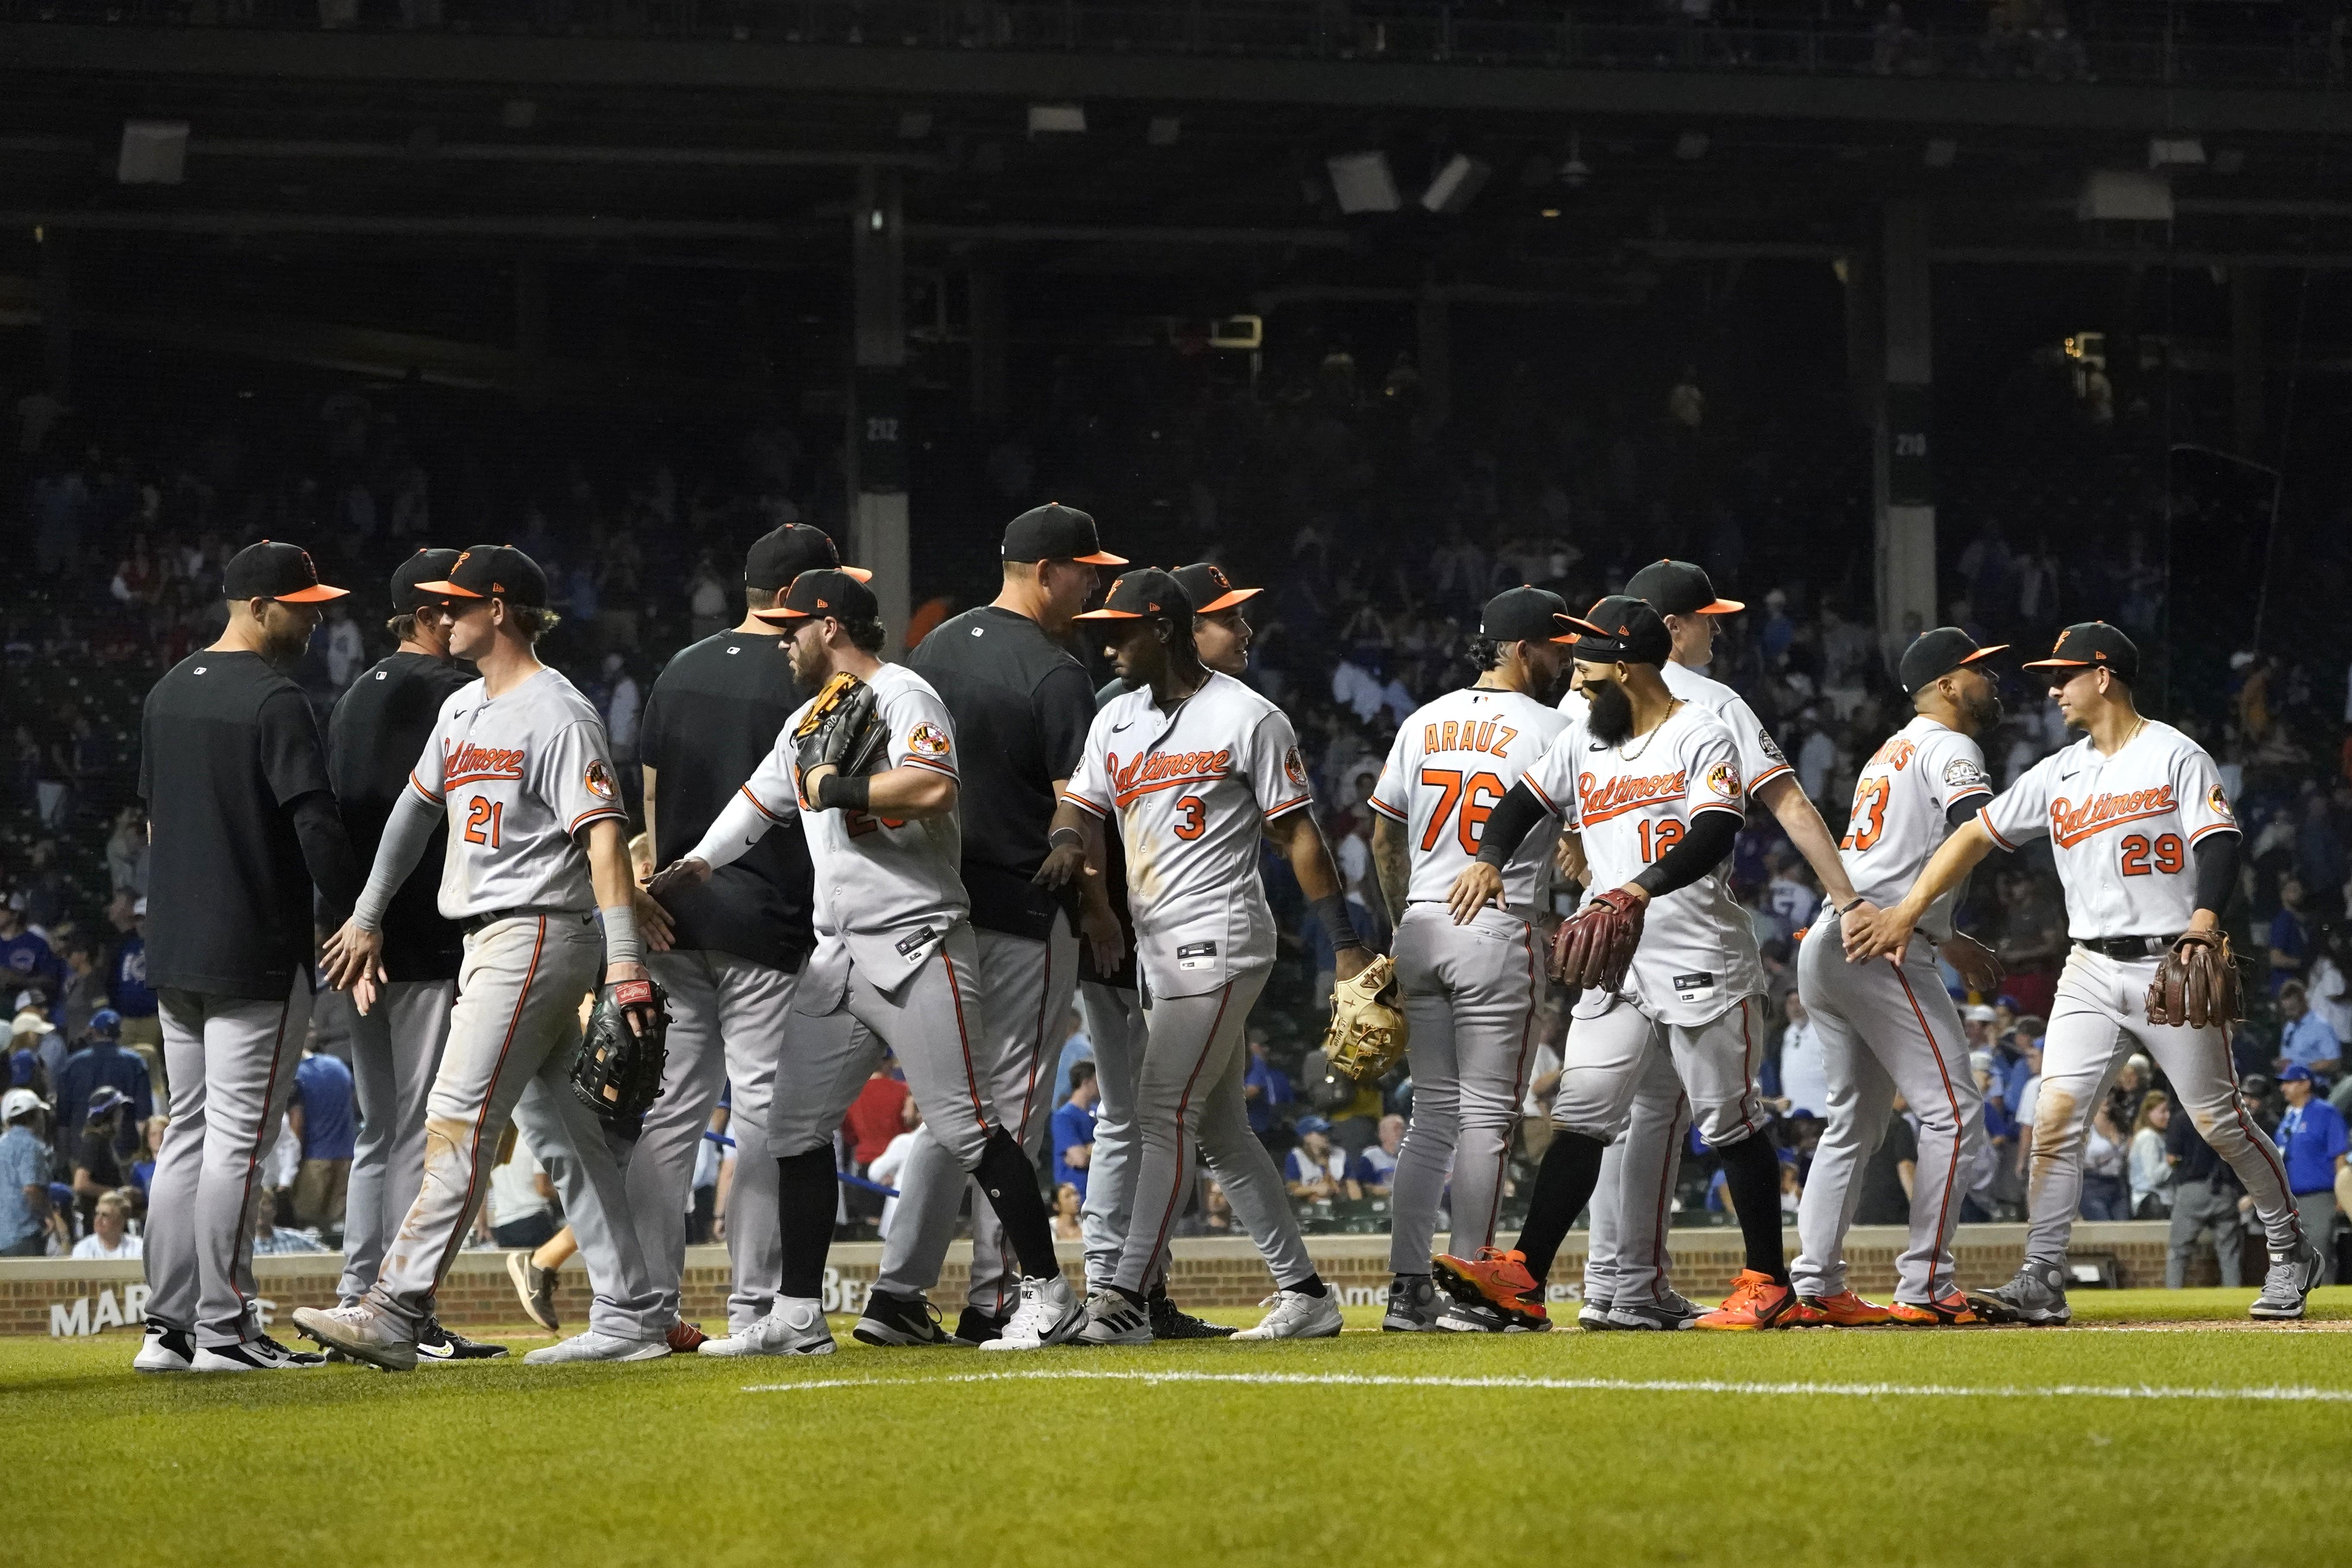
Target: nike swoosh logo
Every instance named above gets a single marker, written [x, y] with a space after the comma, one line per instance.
[1115, 729]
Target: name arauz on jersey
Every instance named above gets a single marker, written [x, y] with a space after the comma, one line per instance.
[1490, 735]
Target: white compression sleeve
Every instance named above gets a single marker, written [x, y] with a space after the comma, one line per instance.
[735, 830]
[406, 835]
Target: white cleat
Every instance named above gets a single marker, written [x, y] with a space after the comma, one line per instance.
[1113, 1319]
[1050, 1313]
[593, 1346]
[790, 1328]
[361, 1332]
[1296, 1316]
[165, 1350]
[261, 1353]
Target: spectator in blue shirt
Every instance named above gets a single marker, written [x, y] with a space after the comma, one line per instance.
[2290, 938]
[103, 1062]
[1072, 1130]
[2310, 1139]
[1078, 1045]
[2305, 1038]
[1375, 1170]
[1265, 1088]
[320, 1116]
[24, 1211]
[25, 956]
[1316, 1172]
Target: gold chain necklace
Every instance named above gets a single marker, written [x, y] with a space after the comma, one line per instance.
[1624, 756]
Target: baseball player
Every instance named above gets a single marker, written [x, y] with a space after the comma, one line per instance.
[1004, 673]
[1889, 1028]
[1626, 1281]
[519, 769]
[382, 719]
[895, 950]
[243, 821]
[2146, 848]
[738, 944]
[1469, 990]
[1198, 767]
[1651, 786]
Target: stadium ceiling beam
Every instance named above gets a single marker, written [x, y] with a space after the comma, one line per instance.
[48, 52]
[2186, 260]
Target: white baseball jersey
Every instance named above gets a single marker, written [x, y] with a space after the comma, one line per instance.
[519, 774]
[1194, 788]
[1697, 955]
[2120, 828]
[1901, 803]
[1761, 759]
[1452, 762]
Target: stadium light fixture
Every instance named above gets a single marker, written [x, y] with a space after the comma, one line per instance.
[1457, 184]
[2124, 195]
[1057, 120]
[2176, 153]
[154, 152]
[1363, 182]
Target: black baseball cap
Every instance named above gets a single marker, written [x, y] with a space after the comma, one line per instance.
[493, 572]
[426, 565]
[775, 559]
[1520, 613]
[1621, 629]
[827, 591]
[1934, 655]
[1057, 532]
[1205, 584]
[1141, 594]
[1679, 588]
[2092, 644]
[267, 570]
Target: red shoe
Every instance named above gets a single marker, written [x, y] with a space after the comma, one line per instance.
[684, 1336]
[1754, 1302]
[1951, 1310]
[1843, 1310]
[1498, 1280]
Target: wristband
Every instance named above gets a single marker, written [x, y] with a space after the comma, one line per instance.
[1331, 910]
[621, 944]
[1069, 835]
[838, 792]
[1848, 909]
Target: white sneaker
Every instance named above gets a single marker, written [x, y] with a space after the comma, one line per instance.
[361, 1332]
[1296, 1316]
[593, 1346]
[165, 1350]
[1050, 1312]
[260, 1353]
[1113, 1319]
[790, 1328]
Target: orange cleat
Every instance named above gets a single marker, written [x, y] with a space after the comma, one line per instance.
[1951, 1310]
[1754, 1302]
[1843, 1310]
[1498, 1280]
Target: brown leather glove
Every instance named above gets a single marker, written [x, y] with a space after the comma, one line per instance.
[1596, 944]
[2196, 984]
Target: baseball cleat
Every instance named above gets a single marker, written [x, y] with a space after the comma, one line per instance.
[890, 1319]
[1673, 1313]
[1478, 1317]
[977, 1328]
[1757, 1301]
[590, 1345]
[1593, 1313]
[1050, 1314]
[260, 1353]
[2291, 1278]
[535, 1288]
[790, 1328]
[1114, 1319]
[1413, 1307]
[1951, 1310]
[2037, 1296]
[1297, 1315]
[436, 1344]
[165, 1350]
[684, 1338]
[1843, 1310]
[1170, 1321]
[361, 1332]
[1498, 1280]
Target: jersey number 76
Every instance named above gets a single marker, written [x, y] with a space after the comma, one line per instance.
[1470, 801]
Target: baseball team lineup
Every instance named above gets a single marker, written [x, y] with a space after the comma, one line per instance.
[936, 860]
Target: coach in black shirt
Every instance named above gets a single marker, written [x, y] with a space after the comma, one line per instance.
[243, 821]
[1021, 705]
[373, 739]
[738, 941]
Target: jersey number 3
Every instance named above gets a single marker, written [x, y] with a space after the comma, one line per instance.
[1475, 797]
[482, 816]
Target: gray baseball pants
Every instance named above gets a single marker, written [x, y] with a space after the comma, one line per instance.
[513, 1036]
[1887, 1029]
[727, 1027]
[1632, 1204]
[232, 1066]
[1025, 987]
[395, 1050]
[1609, 1055]
[1469, 1004]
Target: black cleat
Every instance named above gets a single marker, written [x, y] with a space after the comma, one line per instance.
[1170, 1321]
[890, 1319]
[437, 1344]
[977, 1328]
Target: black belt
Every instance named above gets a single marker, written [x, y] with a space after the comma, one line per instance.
[2128, 948]
[475, 922]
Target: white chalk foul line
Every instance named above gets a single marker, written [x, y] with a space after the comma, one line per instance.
[2292, 1394]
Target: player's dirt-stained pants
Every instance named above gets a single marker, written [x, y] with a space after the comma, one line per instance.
[1469, 1007]
[729, 1023]
[1025, 987]
[395, 1051]
[513, 1036]
[232, 1065]
[1632, 1204]
[1887, 1029]
[2098, 1015]
[1189, 1091]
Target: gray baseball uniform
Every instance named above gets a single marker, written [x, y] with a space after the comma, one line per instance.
[1469, 990]
[1890, 1025]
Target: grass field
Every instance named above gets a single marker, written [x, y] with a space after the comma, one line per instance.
[2162, 1429]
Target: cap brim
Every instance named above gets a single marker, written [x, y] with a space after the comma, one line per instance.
[1108, 615]
[1984, 652]
[1582, 628]
[1100, 558]
[774, 618]
[315, 593]
[1723, 608]
[447, 591]
[860, 572]
[2055, 664]
[1229, 601]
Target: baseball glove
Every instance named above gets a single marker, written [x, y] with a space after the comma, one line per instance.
[841, 730]
[1594, 945]
[2196, 984]
[619, 1073]
[1367, 1036]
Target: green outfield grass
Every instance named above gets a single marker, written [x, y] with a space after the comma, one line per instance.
[2180, 1435]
